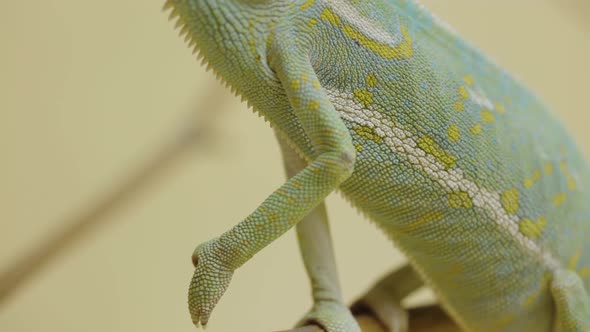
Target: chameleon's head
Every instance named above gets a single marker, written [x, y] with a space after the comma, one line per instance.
[231, 35]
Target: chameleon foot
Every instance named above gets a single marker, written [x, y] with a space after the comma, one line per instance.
[332, 317]
[210, 280]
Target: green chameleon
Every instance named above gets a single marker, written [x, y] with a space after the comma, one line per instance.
[462, 167]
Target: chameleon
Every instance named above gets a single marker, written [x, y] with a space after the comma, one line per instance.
[462, 167]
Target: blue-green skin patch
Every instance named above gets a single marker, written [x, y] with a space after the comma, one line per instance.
[482, 274]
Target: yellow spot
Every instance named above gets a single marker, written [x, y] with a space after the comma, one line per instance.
[531, 181]
[571, 183]
[307, 4]
[314, 105]
[510, 200]
[584, 272]
[468, 79]
[548, 168]
[316, 84]
[463, 94]
[371, 80]
[532, 229]
[573, 262]
[295, 85]
[500, 108]
[364, 96]
[559, 199]
[358, 147]
[458, 106]
[454, 133]
[312, 22]
[455, 270]
[428, 145]
[369, 133]
[504, 321]
[487, 116]
[304, 77]
[403, 50]
[460, 199]
[477, 129]
[423, 220]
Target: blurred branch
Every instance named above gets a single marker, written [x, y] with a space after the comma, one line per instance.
[422, 319]
[195, 134]
[580, 9]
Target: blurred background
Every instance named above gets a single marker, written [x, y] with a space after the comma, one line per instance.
[93, 91]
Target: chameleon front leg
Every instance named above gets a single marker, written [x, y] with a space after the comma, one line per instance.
[315, 244]
[384, 298]
[572, 303]
[332, 163]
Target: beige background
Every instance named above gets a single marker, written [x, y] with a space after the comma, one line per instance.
[89, 90]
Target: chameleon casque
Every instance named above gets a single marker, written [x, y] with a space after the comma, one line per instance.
[461, 166]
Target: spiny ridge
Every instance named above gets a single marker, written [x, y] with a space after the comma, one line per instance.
[192, 43]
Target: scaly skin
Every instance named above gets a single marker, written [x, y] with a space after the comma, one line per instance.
[463, 168]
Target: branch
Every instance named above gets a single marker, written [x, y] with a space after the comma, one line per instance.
[422, 319]
[195, 134]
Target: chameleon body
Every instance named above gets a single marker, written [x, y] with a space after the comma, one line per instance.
[469, 174]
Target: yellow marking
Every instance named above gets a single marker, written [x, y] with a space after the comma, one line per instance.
[423, 220]
[573, 262]
[477, 129]
[428, 145]
[371, 79]
[529, 182]
[548, 168]
[458, 106]
[487, 116]
[584, 272]
[295, 85]
[571, 183]
[532, 229]
[270, 39]
[358, 147]
[463, 93]
[502, 322]
[304, 77]
[369, 133]
[314, 105]
[307, 4]
[316, 84]
[510, 200]
[468, 79]
[329, 16]
[500, 108]
[460, 199]
[455, 270]
[364, 96]
[312, 22]
[403, 50]
[559, 199]
[454, 133]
